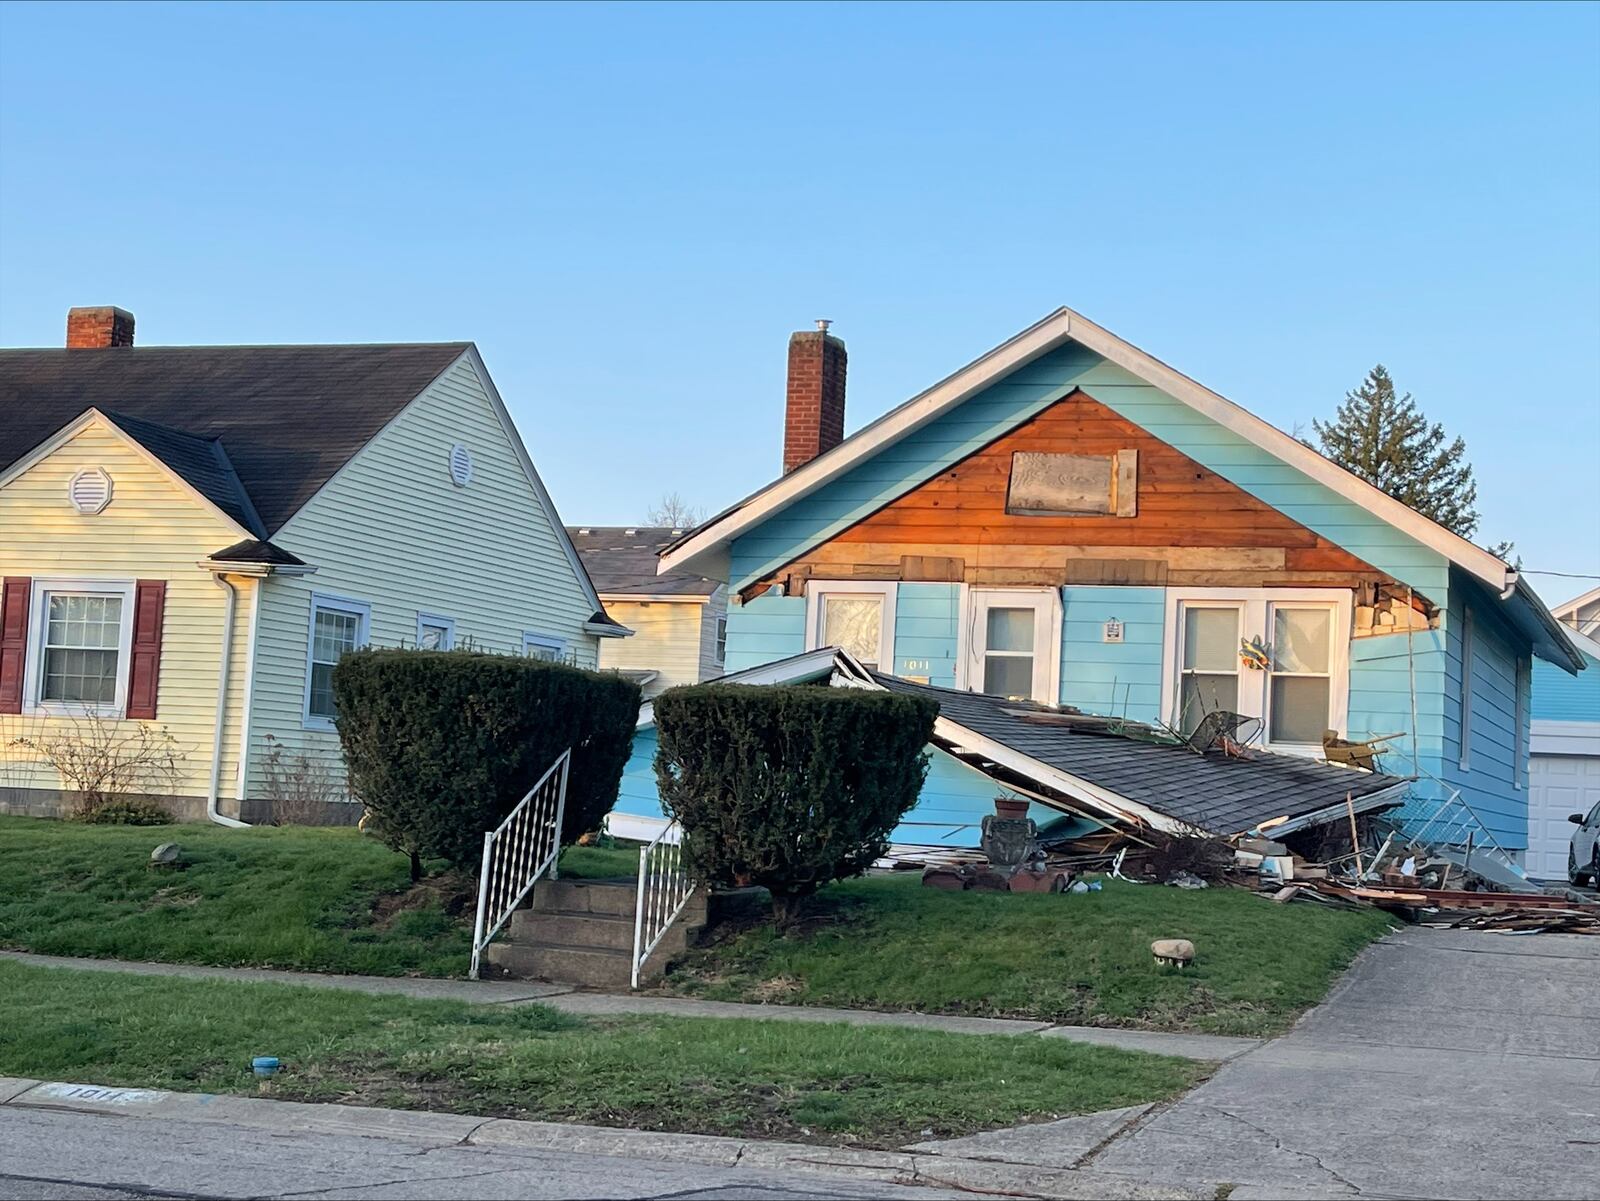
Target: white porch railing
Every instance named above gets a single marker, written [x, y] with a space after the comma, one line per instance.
[518, 851]
[664, 889]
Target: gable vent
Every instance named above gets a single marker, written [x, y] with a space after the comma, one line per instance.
[90, 490]
[460, 465]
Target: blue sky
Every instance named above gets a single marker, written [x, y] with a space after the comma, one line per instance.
[630, 208]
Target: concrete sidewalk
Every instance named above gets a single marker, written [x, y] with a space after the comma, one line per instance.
[1206, 1047]
[145, 1142]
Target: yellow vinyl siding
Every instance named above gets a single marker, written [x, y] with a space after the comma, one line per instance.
[153, 529]
[666, 639]
[393, 531]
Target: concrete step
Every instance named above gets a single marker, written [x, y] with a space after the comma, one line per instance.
[592, 930]
[586, 967]
[611, 898]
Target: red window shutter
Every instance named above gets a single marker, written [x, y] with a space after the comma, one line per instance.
[13, 640]
[149, 602]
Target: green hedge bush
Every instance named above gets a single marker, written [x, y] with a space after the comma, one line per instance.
[788, 787]
[441, 745]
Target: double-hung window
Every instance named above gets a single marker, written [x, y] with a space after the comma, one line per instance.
[81, 640]
[721, 650]
[337, 625]
[1279, 655]
[854, 615]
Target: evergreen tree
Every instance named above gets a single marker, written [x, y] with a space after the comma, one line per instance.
[1388, 442]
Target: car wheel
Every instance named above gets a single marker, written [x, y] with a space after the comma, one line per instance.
[1594, 867]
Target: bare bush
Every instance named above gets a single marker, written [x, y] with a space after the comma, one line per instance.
[300, 786]
[103, 760]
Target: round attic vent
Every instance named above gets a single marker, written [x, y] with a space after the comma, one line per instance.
[460, 465]
[90, 490]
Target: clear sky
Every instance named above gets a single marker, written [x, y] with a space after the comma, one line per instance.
[630, 208]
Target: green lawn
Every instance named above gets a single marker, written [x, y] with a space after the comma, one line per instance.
[287, 897]
[786, 1080]
[888, 943]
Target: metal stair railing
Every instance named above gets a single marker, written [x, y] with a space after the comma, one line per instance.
[664, 889]
[518, 851]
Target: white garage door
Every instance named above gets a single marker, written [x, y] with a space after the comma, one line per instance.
[1557, 786]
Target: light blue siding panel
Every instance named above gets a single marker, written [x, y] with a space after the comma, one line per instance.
[638, 796]
[1560, 697]
[1108, 677]
[925, 632]
[1488, 784]
[764, 630]
[949, 812]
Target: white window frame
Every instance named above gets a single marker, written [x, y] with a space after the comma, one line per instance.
[1257, 605]
[33, 672]
[533, 638]
[1468, 639]
[447, 624]
[818, 590]
[326, 601]
[972, 636]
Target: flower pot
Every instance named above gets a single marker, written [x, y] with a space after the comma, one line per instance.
[1010, 807]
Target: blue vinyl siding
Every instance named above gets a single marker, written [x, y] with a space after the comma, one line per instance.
[1488, 784]
[1380, 697]
[764, 630]
[1123, 679]
[949, 812]
[1558, 696]
[925, 632]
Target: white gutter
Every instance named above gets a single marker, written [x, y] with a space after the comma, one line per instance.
[221, 581]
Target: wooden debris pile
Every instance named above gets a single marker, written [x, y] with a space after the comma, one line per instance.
[1498, 912]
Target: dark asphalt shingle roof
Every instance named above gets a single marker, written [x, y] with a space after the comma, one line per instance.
[252, 550]
[1217, 793]
[201, 461]
[622, 559]
[287, 417]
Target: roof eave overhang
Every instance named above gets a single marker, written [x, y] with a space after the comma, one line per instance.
[230, 567]
[1552, 641]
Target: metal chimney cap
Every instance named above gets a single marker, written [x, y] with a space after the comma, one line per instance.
[823, 323]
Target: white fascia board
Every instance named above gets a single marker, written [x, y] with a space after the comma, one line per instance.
[654, 598]
[796, 669]
[604, 630]
[87, 418]
[1376, 800]
[1093, 796]
[1569, 609]
[709, 545]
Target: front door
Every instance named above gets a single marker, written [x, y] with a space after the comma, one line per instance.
[1013, 644]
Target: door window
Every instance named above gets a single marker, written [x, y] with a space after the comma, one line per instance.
[857, 616]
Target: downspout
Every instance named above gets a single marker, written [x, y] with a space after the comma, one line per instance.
[222, 706]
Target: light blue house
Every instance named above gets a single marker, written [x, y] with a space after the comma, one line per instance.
[1564, 767]
[1069, 520]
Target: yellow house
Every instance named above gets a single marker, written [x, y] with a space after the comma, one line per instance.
[679, 620]
[191, 536]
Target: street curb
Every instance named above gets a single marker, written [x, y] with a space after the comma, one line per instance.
[510, 1135]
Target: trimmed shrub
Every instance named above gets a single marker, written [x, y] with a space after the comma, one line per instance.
[441, 745]
[788, 787]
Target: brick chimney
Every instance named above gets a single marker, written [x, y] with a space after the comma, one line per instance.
[814, 421]
[99, 327]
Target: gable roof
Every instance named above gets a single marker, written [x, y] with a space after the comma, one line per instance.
[279, 420]
[706, 548]
[621, 560]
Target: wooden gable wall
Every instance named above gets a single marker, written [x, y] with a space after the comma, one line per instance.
[1191, 527]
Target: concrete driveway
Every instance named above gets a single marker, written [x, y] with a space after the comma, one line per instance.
[1446, 1063]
